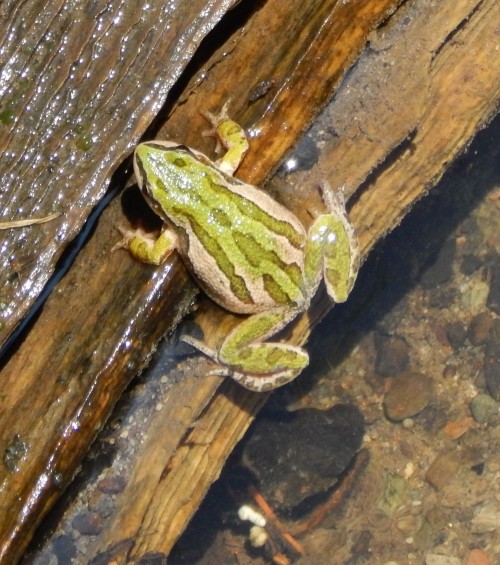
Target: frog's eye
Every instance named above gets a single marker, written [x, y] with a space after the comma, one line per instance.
[179, 162]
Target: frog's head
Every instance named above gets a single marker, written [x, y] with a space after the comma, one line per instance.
[151, 157]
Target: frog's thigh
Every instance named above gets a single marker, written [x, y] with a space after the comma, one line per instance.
[245, 351]
[149, 250]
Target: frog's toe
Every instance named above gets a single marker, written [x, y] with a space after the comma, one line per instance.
[127, 236]
[216, 119]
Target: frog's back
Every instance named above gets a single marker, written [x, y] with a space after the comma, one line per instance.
[245, 249]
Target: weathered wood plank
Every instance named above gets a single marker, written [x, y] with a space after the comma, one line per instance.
[80, 82]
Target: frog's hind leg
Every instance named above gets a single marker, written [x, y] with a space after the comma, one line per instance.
[261, 382]
[254, 363]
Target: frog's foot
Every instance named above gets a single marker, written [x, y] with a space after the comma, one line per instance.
[127, 236]
[203, 347]
[334, 199]
[146, 247]
[252, 367]
[220, 371]
[216, 119]
[332, 251]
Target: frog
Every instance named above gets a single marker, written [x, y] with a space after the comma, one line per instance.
[248, 253]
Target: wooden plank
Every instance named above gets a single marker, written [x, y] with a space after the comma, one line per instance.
[80, 82]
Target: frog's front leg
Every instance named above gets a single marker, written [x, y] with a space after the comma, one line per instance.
[254, 363]
[231, 137]
[147, 248]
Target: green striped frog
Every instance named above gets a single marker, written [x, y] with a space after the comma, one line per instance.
[248, 253]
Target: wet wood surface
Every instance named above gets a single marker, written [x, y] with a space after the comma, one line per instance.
[81, 81]
[412, 102]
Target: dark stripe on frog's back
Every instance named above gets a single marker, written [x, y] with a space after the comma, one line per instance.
[271, 265]
[213, 248]
[260, 244]
[248, 208]
[237, 283]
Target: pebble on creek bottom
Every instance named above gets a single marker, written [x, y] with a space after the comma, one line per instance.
[409, 394]
[484, 408]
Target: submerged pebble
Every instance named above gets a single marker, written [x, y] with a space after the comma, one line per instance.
[410, 393]
[484, 408]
